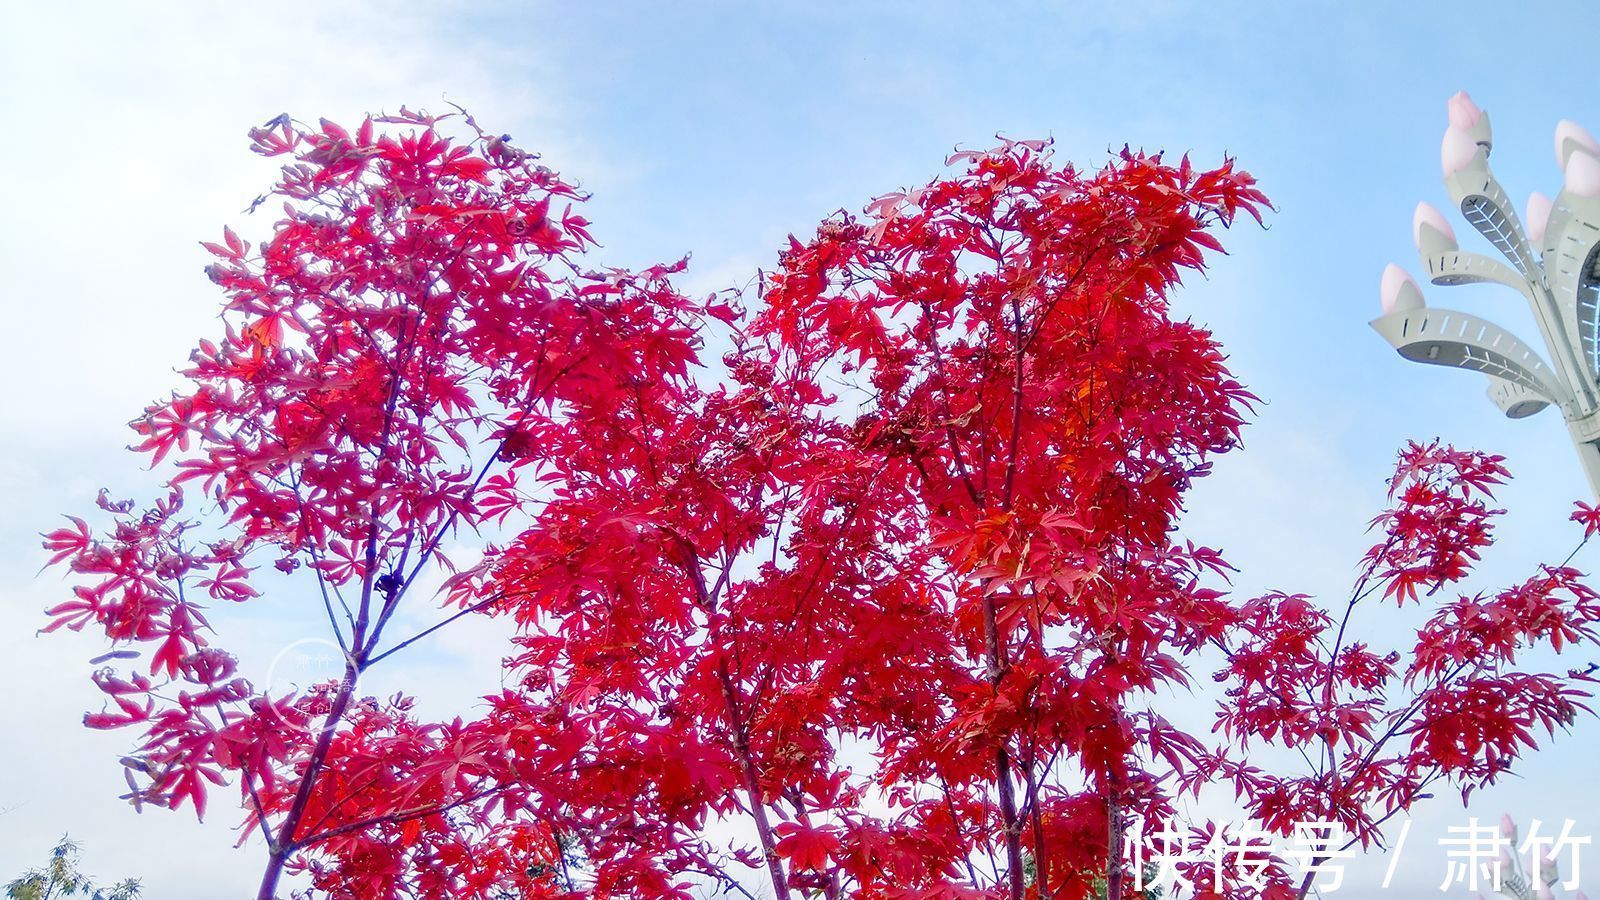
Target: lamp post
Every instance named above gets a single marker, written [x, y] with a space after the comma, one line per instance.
[1552, 260]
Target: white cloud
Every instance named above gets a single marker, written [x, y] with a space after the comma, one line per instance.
[128, 125]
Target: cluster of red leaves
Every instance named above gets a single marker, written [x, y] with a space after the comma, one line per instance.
[1378, 727]
[894, 587]
[389, 354]
[1024, 401]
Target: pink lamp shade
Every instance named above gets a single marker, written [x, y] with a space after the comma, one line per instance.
[1568, 130]
[1428, 214]
[1399, 290]
[1538, 216]
[1457, 151]
[1463, 112]
[1583, 174]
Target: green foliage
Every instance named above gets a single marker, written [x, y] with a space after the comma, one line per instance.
[1030, 872]
[60, 878]
[1150, 893]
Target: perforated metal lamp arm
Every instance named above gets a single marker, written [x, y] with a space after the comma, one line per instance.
[1553, 262]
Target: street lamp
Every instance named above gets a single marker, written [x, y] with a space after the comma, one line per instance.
[1553, 262]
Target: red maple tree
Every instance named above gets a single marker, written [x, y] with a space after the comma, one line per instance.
[389, 355]
[1455, 704]
[881, 574]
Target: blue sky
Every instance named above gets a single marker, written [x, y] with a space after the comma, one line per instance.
[719, 129]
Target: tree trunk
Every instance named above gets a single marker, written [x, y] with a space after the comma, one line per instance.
[308, 783]
[269, 880]
[1009, 821]
[1113, 849]
[752, 786]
